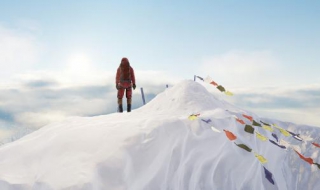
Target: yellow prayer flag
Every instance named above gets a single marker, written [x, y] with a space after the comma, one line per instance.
[285, 132]
[266, 127]
[276, 126]
[261, 137]
[228, 93]
[192, 117]
[262, 159]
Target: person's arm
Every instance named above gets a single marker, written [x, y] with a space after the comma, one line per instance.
[118, 76]
[133, 79]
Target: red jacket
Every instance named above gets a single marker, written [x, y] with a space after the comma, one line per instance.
[118, 80]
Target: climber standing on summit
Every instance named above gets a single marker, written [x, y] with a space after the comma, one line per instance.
[125, 81]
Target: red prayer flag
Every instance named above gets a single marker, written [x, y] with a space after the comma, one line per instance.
[248, 117]
[317, 145]
[230, 135]
[309, 160]
[213, 83]
[241, 121]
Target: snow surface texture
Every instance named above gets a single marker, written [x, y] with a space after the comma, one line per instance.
[158, 147]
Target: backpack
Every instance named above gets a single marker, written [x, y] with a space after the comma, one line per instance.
[125, 74]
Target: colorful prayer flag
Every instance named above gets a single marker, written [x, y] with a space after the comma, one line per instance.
[230, 135]
[248, 117]
[215, 130]
[268, 175]
[281, 146]
[234, 116]
[317, 165]
[284, 132]
[208, 79]
[254, 123]
[262, 159]
[200, 78]
[315, 144]
[265, 123]
[298, 137]
[293, 134]
[261, 137]
[276, 126]
[284, 143]
[268, 128]
[207, 121]
[221, 88]
[245, 147]
[249, 129]
[241, 121]
[309, 160]
[193, 117]
[275, 136]
[213, 83]
[228, 93]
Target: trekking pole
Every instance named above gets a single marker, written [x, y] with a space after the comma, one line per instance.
[142, 94]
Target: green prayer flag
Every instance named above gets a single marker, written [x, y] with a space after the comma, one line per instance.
[221, 88]
[265, 123]
[254, 123]
[245, 147]
[249, 129]
[317, 165]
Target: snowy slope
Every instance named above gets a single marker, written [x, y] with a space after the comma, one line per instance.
[159, 147]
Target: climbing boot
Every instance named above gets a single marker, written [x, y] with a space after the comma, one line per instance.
[120, 108]
[129, 108]
[129, 105]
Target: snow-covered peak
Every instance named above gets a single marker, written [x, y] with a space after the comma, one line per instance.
[159, 146]
[185, 97]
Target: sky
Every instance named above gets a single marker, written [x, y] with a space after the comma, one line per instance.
[59, 58]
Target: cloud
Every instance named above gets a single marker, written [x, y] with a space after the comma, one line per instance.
[18, 50]
[5, 116]
[299, 104]
[241, 68]
[39, 98]
[40, 84]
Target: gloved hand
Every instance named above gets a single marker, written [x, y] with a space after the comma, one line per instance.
[134, 86]
[117, 86]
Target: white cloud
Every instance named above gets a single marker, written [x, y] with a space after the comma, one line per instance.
[18, 51]
[298, 104]
[300, 116]
[243, 69]
[53, 96]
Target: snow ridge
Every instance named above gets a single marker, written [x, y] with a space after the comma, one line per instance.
[157, 147]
